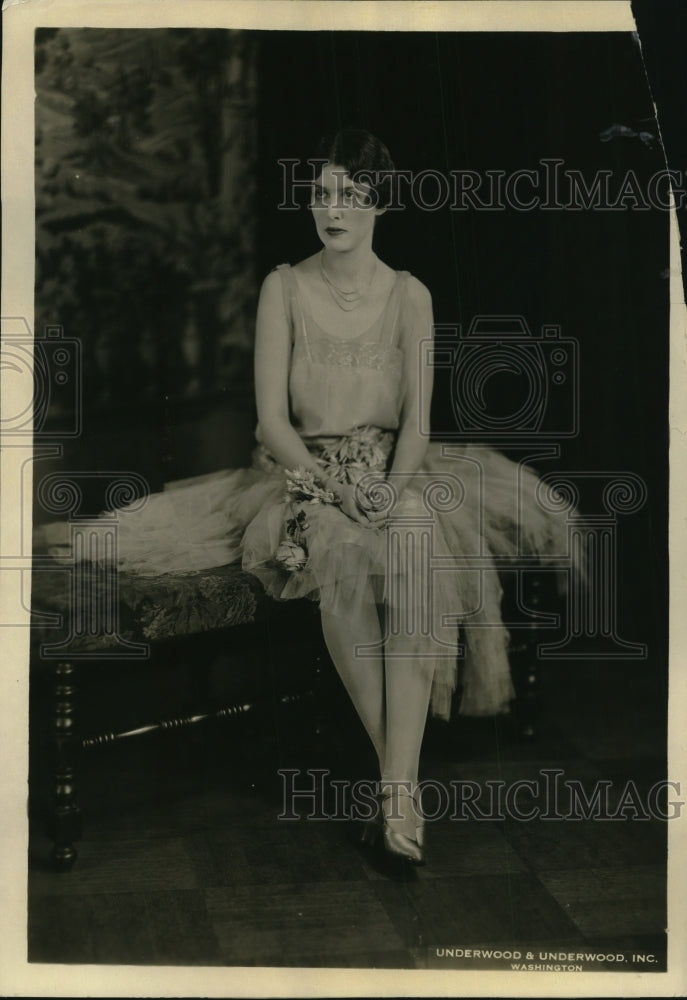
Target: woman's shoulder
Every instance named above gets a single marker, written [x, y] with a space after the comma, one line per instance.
[278, 280]
[286, 271]
[278, 272]
[417, 293]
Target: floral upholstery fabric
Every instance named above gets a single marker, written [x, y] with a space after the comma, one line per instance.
[150, 609]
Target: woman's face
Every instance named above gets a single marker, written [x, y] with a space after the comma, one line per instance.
[344, 212]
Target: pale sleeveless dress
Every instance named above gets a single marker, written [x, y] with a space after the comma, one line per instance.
[445, 620]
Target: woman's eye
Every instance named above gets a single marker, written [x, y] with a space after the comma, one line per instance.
[349, 196]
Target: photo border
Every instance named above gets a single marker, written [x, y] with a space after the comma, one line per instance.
[17, 976]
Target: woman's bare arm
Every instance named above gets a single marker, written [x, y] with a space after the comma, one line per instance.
[411, 445]
[272, 362]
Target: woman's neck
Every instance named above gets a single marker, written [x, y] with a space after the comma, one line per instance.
[349, 269]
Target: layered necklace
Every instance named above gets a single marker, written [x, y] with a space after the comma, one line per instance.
[352, 298]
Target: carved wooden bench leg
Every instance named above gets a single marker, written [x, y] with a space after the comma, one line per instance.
[525, 668]
[64, 821]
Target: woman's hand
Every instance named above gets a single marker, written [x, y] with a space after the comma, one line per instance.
[375, 496]
[377, 517]
[350, 507]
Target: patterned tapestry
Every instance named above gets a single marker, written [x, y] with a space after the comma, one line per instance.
[145, 208]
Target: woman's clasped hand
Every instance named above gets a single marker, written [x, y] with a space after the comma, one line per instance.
[367, 504]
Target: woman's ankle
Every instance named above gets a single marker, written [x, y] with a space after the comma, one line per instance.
[397, 786]
[399, 799]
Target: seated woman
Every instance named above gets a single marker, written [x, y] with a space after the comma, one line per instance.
[349, 504]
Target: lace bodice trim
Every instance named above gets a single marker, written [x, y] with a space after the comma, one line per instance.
[357, 355]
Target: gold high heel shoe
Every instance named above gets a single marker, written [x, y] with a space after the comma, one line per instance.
[399, 821]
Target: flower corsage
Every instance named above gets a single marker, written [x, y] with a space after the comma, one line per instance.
[303, 486]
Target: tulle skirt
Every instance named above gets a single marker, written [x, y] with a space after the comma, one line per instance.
[430, 569]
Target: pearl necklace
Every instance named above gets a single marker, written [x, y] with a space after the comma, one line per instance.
[346, 300]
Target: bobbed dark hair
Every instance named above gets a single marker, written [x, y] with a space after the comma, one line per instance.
[365, 158]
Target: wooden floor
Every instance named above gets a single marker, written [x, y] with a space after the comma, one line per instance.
[184, 861]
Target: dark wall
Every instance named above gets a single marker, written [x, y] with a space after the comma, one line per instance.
[504, 102]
